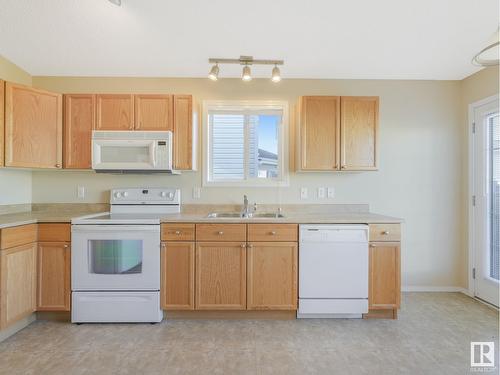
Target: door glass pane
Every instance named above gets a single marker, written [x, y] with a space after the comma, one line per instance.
[494, 186]
[115, 256]
[263, 146]
[129, 154]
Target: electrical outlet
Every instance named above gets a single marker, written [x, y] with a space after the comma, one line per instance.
[81, 192]
[196, 193]
[303, 193]
[321, 192]
[331, 192]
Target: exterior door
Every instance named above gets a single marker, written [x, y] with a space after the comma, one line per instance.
[486, 199]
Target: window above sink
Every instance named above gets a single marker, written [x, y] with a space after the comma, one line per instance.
[245, 143]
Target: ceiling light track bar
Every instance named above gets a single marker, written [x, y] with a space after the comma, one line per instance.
[244, 60]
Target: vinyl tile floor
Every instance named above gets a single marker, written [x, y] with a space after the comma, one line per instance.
[431, 336]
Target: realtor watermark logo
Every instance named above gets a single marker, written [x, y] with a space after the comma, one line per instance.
[482, 355]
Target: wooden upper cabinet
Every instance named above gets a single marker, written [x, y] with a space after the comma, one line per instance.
[384, 275]
[153, 112]
[272, 276]
[220, 276]
[319, 133]
[2, 121]
[359, 132]
[17, 283]
[79, 121]
[114, 112]
[183, 133]
[33, 127]
[54, 276]
[177, 276]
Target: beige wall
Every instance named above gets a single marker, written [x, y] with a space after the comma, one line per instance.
[418, 180]
[478, 86]
[15, 185]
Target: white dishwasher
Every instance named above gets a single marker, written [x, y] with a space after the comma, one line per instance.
[333, 271]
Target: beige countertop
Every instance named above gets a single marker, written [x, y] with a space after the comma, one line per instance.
[300, 214]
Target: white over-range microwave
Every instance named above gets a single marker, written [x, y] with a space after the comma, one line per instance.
[132, 151]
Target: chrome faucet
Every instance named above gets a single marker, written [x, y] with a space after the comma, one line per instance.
[246, 210]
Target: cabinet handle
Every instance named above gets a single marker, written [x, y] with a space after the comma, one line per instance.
[66, 246]
[178, 232]
[272, 233]
[372, 245]
[243, 245]
[337, 166]
[163, 246]
[58, 165]
[385, 232]
[220, 233]
[343, 167]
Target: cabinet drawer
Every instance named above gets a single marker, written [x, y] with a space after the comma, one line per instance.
[385, 232]
[17, 236]
[177, 232]
[54, 232]
[272, 232]
[221, 232]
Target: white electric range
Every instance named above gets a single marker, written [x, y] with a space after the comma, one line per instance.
[115, 257]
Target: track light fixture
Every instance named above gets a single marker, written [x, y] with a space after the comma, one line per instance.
[116, 2]
[246, 75]
[246, 61]
[214, 72]
[276, 75]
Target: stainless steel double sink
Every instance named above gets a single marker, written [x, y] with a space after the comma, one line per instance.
[239, 215]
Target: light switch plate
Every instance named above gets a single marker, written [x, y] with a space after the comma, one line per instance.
[303, 193]
[331, 192]
[321, 192]
[196, 193]
[81, 192]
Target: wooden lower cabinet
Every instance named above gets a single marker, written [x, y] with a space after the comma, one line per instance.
[54, 276]
[17, 283]
[384, 275]
[177, 280]
[272, 276]
[220, 276]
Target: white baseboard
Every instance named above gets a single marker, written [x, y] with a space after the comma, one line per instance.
[411, 288]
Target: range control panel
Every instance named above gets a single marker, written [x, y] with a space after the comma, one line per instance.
[145, 196]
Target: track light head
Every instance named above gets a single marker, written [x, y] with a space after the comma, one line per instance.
[214, 73]
[276, 75]
[246, 75]
[116, 2]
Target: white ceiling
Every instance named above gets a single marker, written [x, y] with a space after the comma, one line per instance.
[393, 39]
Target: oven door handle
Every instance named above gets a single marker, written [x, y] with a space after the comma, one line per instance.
[114, 228]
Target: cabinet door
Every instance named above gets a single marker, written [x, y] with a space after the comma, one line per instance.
[33, 127]
[359, 131]
[17, 283]
[272, 276]
[2, 121]
[54, 275]
[177, 281]
[79, 121]
[319, 133]
[220, 276]
[153, 112]
[183, 132]
[385, 284]
[115, 112]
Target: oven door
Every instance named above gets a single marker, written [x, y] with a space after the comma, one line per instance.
[115, 257]
[122, 154]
